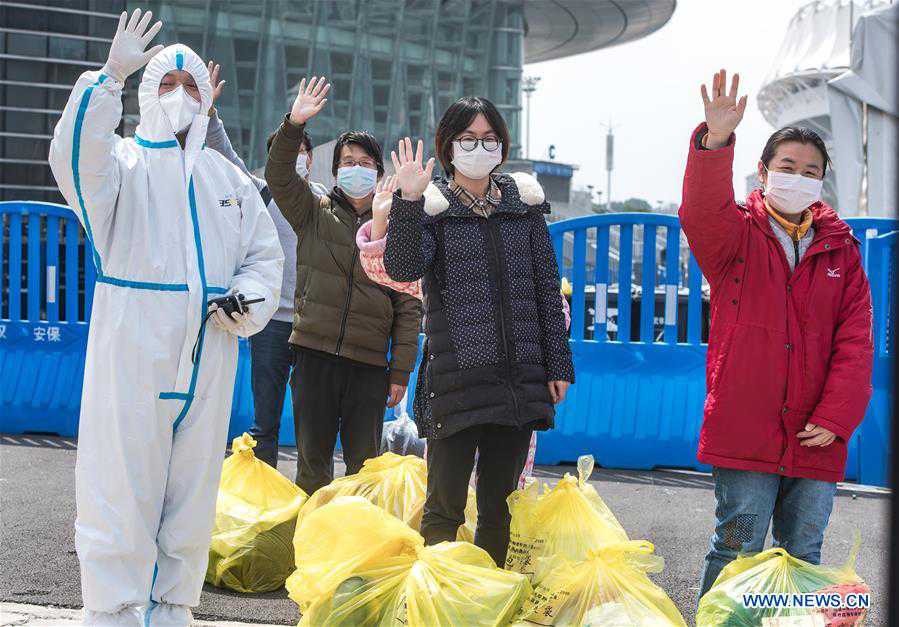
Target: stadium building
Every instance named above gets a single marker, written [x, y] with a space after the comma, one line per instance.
[815, 50]
[395, 65]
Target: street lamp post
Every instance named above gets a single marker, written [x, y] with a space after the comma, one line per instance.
[529, 86]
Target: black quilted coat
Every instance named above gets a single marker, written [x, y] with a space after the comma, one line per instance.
[494, 322]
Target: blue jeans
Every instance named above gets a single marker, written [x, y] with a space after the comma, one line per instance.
[797, 510]
[271, 359]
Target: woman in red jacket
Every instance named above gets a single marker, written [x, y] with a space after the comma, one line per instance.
[788, 375]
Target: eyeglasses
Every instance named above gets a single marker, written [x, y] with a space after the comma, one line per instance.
[365, 163]
[470, 143]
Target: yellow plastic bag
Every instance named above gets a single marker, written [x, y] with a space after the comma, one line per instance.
[255, 515]
[396, 483]
[566, 521]
[609, 588]
[776, 572]
[359, 566]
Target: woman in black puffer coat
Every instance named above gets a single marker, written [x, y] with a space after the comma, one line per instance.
[496, 357]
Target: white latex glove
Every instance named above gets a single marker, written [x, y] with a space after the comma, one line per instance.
[126, 55]
[233, 325]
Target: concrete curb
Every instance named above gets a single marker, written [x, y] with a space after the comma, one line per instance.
[15, 614]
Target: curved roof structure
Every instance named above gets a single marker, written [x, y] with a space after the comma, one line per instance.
[815, 50]
[562, 28]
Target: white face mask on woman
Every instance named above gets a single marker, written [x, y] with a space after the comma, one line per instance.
[179, 107]
[478, 163]
[792, 193]
[302, 166]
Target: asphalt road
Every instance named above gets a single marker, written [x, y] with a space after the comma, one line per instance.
[673, 510]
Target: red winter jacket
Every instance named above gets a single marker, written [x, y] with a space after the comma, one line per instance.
[785, 348]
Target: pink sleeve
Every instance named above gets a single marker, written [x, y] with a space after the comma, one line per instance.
[567, 309]
[372, 260]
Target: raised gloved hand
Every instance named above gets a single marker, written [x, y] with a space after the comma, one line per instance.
[233, 324]
[127, 54]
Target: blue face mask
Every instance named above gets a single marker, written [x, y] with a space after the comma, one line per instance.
[357, 181]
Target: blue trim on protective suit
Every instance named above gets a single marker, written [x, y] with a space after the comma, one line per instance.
[202, 270]
[76, 174]
[146, 143]
[152, 605]
[168, 396]
[217, 290]
[179, 60]
[142, 285]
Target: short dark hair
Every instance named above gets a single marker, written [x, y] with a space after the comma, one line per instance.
[457, 118]
[799, 134]
[366, 141]
[306, 143]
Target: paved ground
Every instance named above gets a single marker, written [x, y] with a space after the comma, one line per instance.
[674, 510]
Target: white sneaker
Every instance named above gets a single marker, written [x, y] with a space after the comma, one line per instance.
[164, 614]
[131, 615]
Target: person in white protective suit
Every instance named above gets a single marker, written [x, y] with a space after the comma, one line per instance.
[170, 225]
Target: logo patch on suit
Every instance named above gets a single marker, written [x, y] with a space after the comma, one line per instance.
[231, 201]
[833, 273]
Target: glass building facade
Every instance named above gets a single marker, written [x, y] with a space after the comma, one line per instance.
[394, 66]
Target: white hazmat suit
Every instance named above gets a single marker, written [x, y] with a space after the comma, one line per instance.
[168, 229]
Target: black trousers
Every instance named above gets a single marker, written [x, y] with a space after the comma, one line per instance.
[502, 453]
[335, 395]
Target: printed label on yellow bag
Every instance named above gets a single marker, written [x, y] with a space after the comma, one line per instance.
[810, 620]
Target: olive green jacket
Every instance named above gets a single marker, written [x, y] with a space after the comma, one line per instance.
[337, 308]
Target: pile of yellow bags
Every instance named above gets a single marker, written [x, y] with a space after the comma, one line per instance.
[398, 484]
[255, 515]
[584, 569]
[360, 560]
[358, 565]
[777, 572]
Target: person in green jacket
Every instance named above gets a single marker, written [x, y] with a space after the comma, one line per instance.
[344, 324]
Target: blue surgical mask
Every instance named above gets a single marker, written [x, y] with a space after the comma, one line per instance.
[356, 181]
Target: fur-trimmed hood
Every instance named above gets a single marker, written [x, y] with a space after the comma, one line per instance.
[520, 193]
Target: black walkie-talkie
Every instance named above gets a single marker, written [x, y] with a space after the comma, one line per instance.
[232, 303]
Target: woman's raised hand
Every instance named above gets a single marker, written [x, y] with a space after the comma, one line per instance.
[411, 177]
[310, 100]
[380, 206]
[723, 112]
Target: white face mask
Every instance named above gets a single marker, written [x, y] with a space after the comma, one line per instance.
[357, 181]
[792, 193]
[302, 166]
[478, 163]
[179, 107]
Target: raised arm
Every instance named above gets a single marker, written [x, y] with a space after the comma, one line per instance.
[82, 152]
[216, 136]
[709, 214]
[291, 193]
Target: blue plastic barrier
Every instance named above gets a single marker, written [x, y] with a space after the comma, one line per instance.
[641, 369]
[47, 291]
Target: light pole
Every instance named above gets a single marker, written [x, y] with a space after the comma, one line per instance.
[610, 151]
[529, 86]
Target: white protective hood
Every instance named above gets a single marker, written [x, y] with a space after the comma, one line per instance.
[871, 80]
[154, 127]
